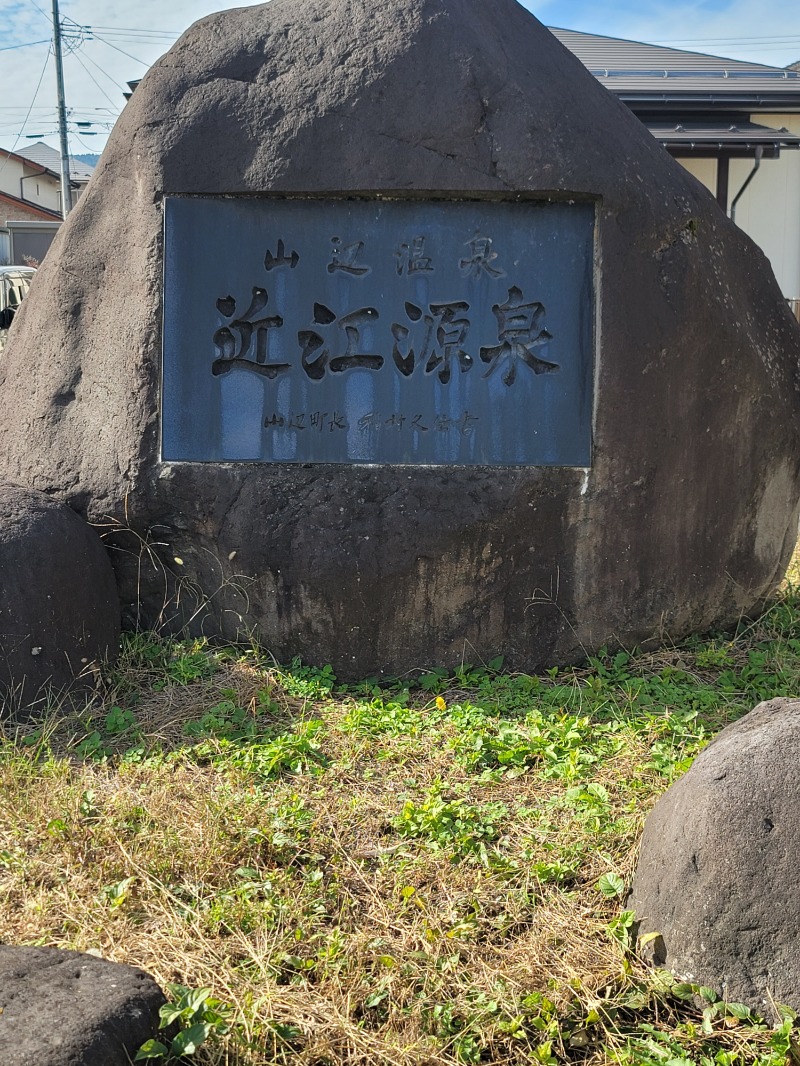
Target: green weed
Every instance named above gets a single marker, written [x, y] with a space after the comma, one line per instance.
[406, 872]
[197, 1014]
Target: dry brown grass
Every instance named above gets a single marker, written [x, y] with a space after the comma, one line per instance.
[334, 933]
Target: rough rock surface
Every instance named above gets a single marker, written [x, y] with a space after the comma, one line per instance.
[688, 513]
[59, 610]
[64, 1008]
[717, 875]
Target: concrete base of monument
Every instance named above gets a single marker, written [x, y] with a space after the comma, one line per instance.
[384, 571]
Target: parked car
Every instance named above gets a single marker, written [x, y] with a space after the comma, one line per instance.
[14, 284]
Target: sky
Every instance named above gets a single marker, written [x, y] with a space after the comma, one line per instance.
[111, 42]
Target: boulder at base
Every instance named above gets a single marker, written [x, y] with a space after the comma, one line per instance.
[59, 611]
[64, 1008]
[718, 870]
[676, 508]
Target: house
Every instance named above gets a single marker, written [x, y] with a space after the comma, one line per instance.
[79, 172]
[734, 125]
[30, 199]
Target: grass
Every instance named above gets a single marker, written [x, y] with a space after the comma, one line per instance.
[426, 873]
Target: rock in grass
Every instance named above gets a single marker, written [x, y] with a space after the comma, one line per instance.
[64, 1008]
[59, 610]
[684, 514]
[719, 871]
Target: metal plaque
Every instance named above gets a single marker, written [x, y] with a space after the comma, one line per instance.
[373, 331]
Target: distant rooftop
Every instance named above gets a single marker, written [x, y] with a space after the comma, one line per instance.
[648, 73]
[46, 156]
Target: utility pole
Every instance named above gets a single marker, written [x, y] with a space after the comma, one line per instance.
[66, 192]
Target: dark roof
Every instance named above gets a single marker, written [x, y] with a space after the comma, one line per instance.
[28, 162]
[49, 158]
[651, 74]
[40, 167]
[740, 137]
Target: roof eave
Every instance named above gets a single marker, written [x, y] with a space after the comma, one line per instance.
[708, 150]
[17, 201]
[751, 103]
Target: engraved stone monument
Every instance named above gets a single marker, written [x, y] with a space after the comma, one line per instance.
[385, 336]
[471, 374]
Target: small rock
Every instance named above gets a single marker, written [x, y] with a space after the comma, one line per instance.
[59, 610]
[718, 869]
[65, 1008]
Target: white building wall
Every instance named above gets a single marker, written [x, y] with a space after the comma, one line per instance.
[705, 170]
[769, 210]
[43, 190]
[10, 173]
[40, 189]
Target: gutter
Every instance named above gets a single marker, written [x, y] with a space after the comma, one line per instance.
[747, 180]
[749, 102]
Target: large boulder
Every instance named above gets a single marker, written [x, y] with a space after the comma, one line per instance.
[678, 513]
[65, 1008]
[59, 611]
[717, 874]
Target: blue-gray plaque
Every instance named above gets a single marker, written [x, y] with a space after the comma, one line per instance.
[378, 331]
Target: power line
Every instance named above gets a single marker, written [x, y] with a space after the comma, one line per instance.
[745, 54]
[96, 82]
[746, 46]
[100, 116]
[91, 151]
[107, 126]
[13, 123]
[82, 32]
[131, 29]
[26, 44]
[33, 101]
[110, 45]
[743, 50]
[726, 40]
[138, 35]
[45, 113]
[161, 43]
[44, 13]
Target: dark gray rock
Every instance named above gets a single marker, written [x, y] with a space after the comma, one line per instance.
[688, 513]
[718, 870]
[64, 1008]
[59, 610]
